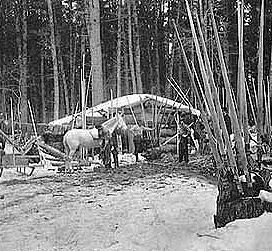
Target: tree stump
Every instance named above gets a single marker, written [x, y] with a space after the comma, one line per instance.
[231, 205]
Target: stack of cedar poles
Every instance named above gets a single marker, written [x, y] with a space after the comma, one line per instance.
[209, 103]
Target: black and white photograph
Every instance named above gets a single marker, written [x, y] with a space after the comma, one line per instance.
[135, 125]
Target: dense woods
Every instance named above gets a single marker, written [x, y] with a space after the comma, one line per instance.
[127, 46]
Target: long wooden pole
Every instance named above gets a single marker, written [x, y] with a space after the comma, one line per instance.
[34, 127]
[268, 113]
[207, 86]
[231, 103]
[132, 112]
[111, 108]
[260, 87]
[255, 95]
[214, 149]
[183, 96]
[162, 117]
[177, 91]
[242, 107]
[217, 101]
[251, 104]
[265, 112]
[169, 114]
[83, 106]
[83, 94]
[12, 131]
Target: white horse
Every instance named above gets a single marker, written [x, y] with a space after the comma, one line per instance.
[88, 138]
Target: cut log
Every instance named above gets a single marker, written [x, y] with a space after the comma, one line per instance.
[167, 132]
[156, 152]
[243, 208]
[51, 150]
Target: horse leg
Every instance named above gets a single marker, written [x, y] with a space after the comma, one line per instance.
[69, 166]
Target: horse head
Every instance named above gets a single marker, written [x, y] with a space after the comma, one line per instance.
[121, 123]
[116, 122]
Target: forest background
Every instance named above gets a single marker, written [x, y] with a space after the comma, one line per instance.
[127, 46]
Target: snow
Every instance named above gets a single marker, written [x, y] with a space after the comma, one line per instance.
[240, 235]
[126, 101]
[157, 212]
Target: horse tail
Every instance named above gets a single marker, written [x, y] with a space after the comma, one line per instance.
[66, 145]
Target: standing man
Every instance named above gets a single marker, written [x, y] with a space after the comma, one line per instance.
[138, 140]
[184, 134]
[4, 129]
[114, 148]
[227, 120]
[105, 152]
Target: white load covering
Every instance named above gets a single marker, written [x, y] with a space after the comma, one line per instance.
[126, 101]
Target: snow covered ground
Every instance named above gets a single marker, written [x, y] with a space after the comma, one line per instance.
[134, 208]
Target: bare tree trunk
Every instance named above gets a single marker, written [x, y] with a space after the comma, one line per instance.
[73, 78]
[23, 86]
[43, 86]
[126, 63]
[151, 73]
[63, 76]
[157, 69]
[55, 61]
[137, 49]
[65, 86]
[93, 26]
[126, 88]
[119, 44]
[71, 57]
[130, 48]
[169, 92]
